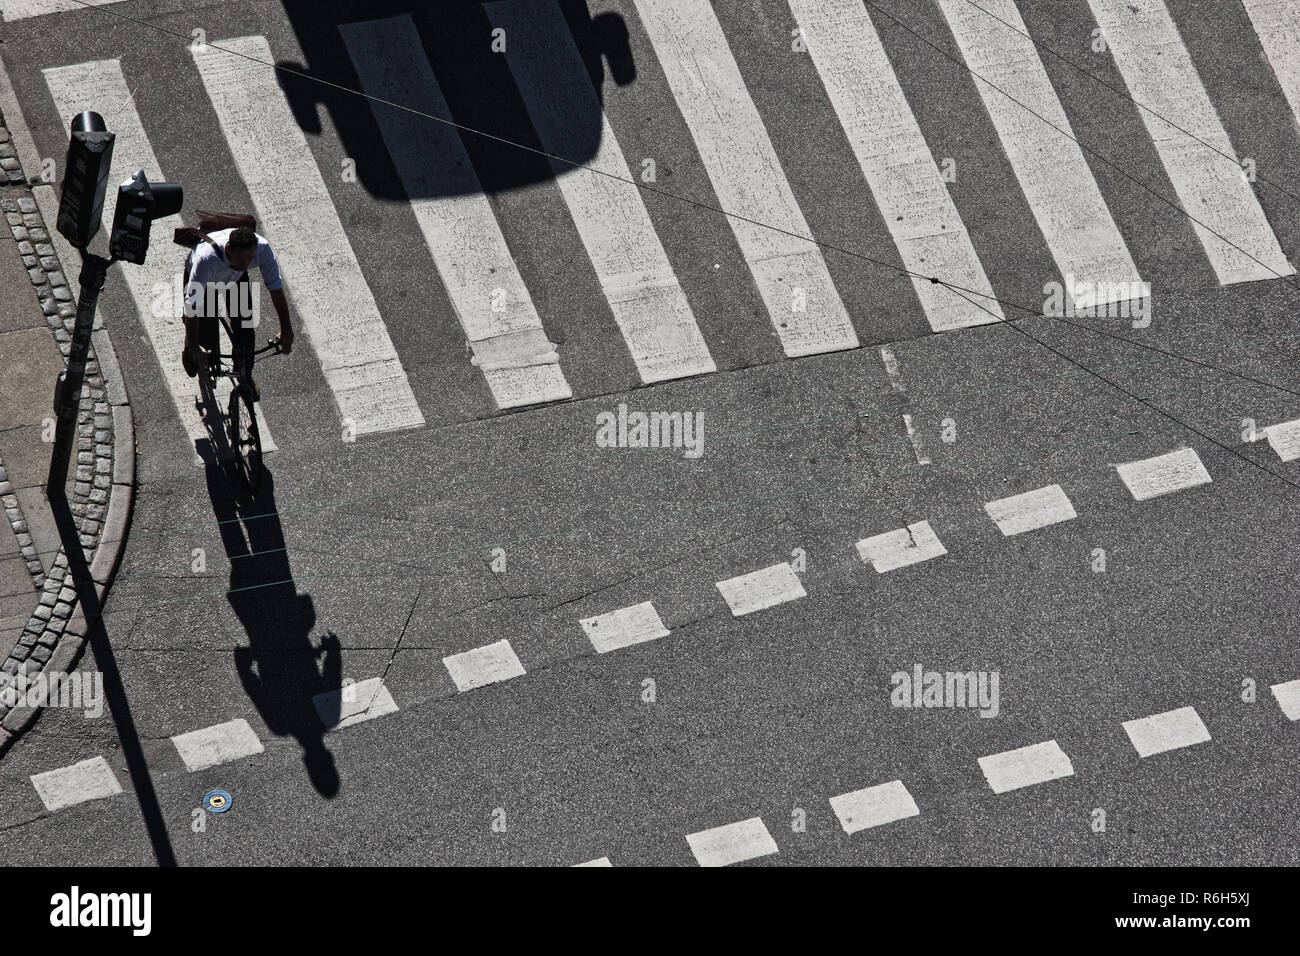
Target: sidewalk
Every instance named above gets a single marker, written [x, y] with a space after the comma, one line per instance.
[42, 630]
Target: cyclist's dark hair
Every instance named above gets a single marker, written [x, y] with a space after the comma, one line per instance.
[242, 238]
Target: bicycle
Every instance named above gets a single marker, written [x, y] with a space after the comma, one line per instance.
[241, 418]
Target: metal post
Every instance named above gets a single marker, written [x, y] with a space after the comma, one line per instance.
[67, 393]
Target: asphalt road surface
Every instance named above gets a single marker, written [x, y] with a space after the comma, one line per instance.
[412, 514]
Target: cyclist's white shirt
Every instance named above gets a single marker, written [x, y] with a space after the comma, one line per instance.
[208, 264]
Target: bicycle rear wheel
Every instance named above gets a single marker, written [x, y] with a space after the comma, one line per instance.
[245, 439]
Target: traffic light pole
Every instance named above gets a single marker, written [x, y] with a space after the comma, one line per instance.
[67, 393]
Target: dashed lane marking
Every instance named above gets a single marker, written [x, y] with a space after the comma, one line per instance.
[354, 703]
[761, 589]
[1026, 766]
[1031, 510]
[1288, 698]
[91, 779]
[601, 861]
[1163, 474]
[22, 9]
[915, 439]
[218, 744]
[1284, 438]
[732, 843]
[902, 547]
[485, 665]
[874, 806]
[1172, 730]
[624, 627]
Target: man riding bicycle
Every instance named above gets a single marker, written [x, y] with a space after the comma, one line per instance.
[218, 267]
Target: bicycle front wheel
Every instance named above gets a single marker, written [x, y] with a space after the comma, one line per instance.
[245, 440]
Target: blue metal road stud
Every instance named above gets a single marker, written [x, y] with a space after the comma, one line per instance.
[217, 801]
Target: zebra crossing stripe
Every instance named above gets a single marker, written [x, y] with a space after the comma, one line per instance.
[896, 161]
[221, 743]
[1053, 174]
[91, 779]
[154, 287]
[321, 271]
[1277, 24]
[747, 177]
[1171, 730]
[648, 303]
[732, 843]
[11, 10]
[1211, 187]
[464, 238]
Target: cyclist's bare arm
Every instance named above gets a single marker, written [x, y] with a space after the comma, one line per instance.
[282, 312]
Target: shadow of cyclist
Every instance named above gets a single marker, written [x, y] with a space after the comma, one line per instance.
[279, 667]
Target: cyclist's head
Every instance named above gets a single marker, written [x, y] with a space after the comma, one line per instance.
[240, 247]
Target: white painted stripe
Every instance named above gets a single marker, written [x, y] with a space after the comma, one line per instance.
[1160, 75]
[602, 861]
[353, 703]
[1288, 698]
[746, 175]
[1284, 438]
[1277, 24]
[483, 665]
[897, 549]
[896, 161]
[1053, 174]
[84, 86]
[91, 779]
[321, 271]
[874, 806]
[648, 304]
[761, 589]
[1171, 730]
[624, 627]
[1163, 474]
[219, 744]
[22, 9]
[921, 457]
[732, 843]
[890, 359]
[518, 361]
[1026, 766]
[1034, 509]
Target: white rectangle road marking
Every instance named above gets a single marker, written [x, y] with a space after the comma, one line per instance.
[1284, 438]
[1288, 698]
[1026, 766]
[896, 161]
[1211, 186]
[157, 283]
[483, 665]
[218, 744]
[22, 9]
[1171, 730]
[747, 176]
[1034, 509]
[1163, 474]
[897, 549]
[91, 779]
[624, 627]
[732, 843]
[1050, 167]
[519, 363]
[761, 589]
[874, 806]
[1277, 24]
[320, 269]
[353, 703]
[648, 303]
[601, 861]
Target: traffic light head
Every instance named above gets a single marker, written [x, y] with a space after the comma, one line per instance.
[138, 204]
[85, 174]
